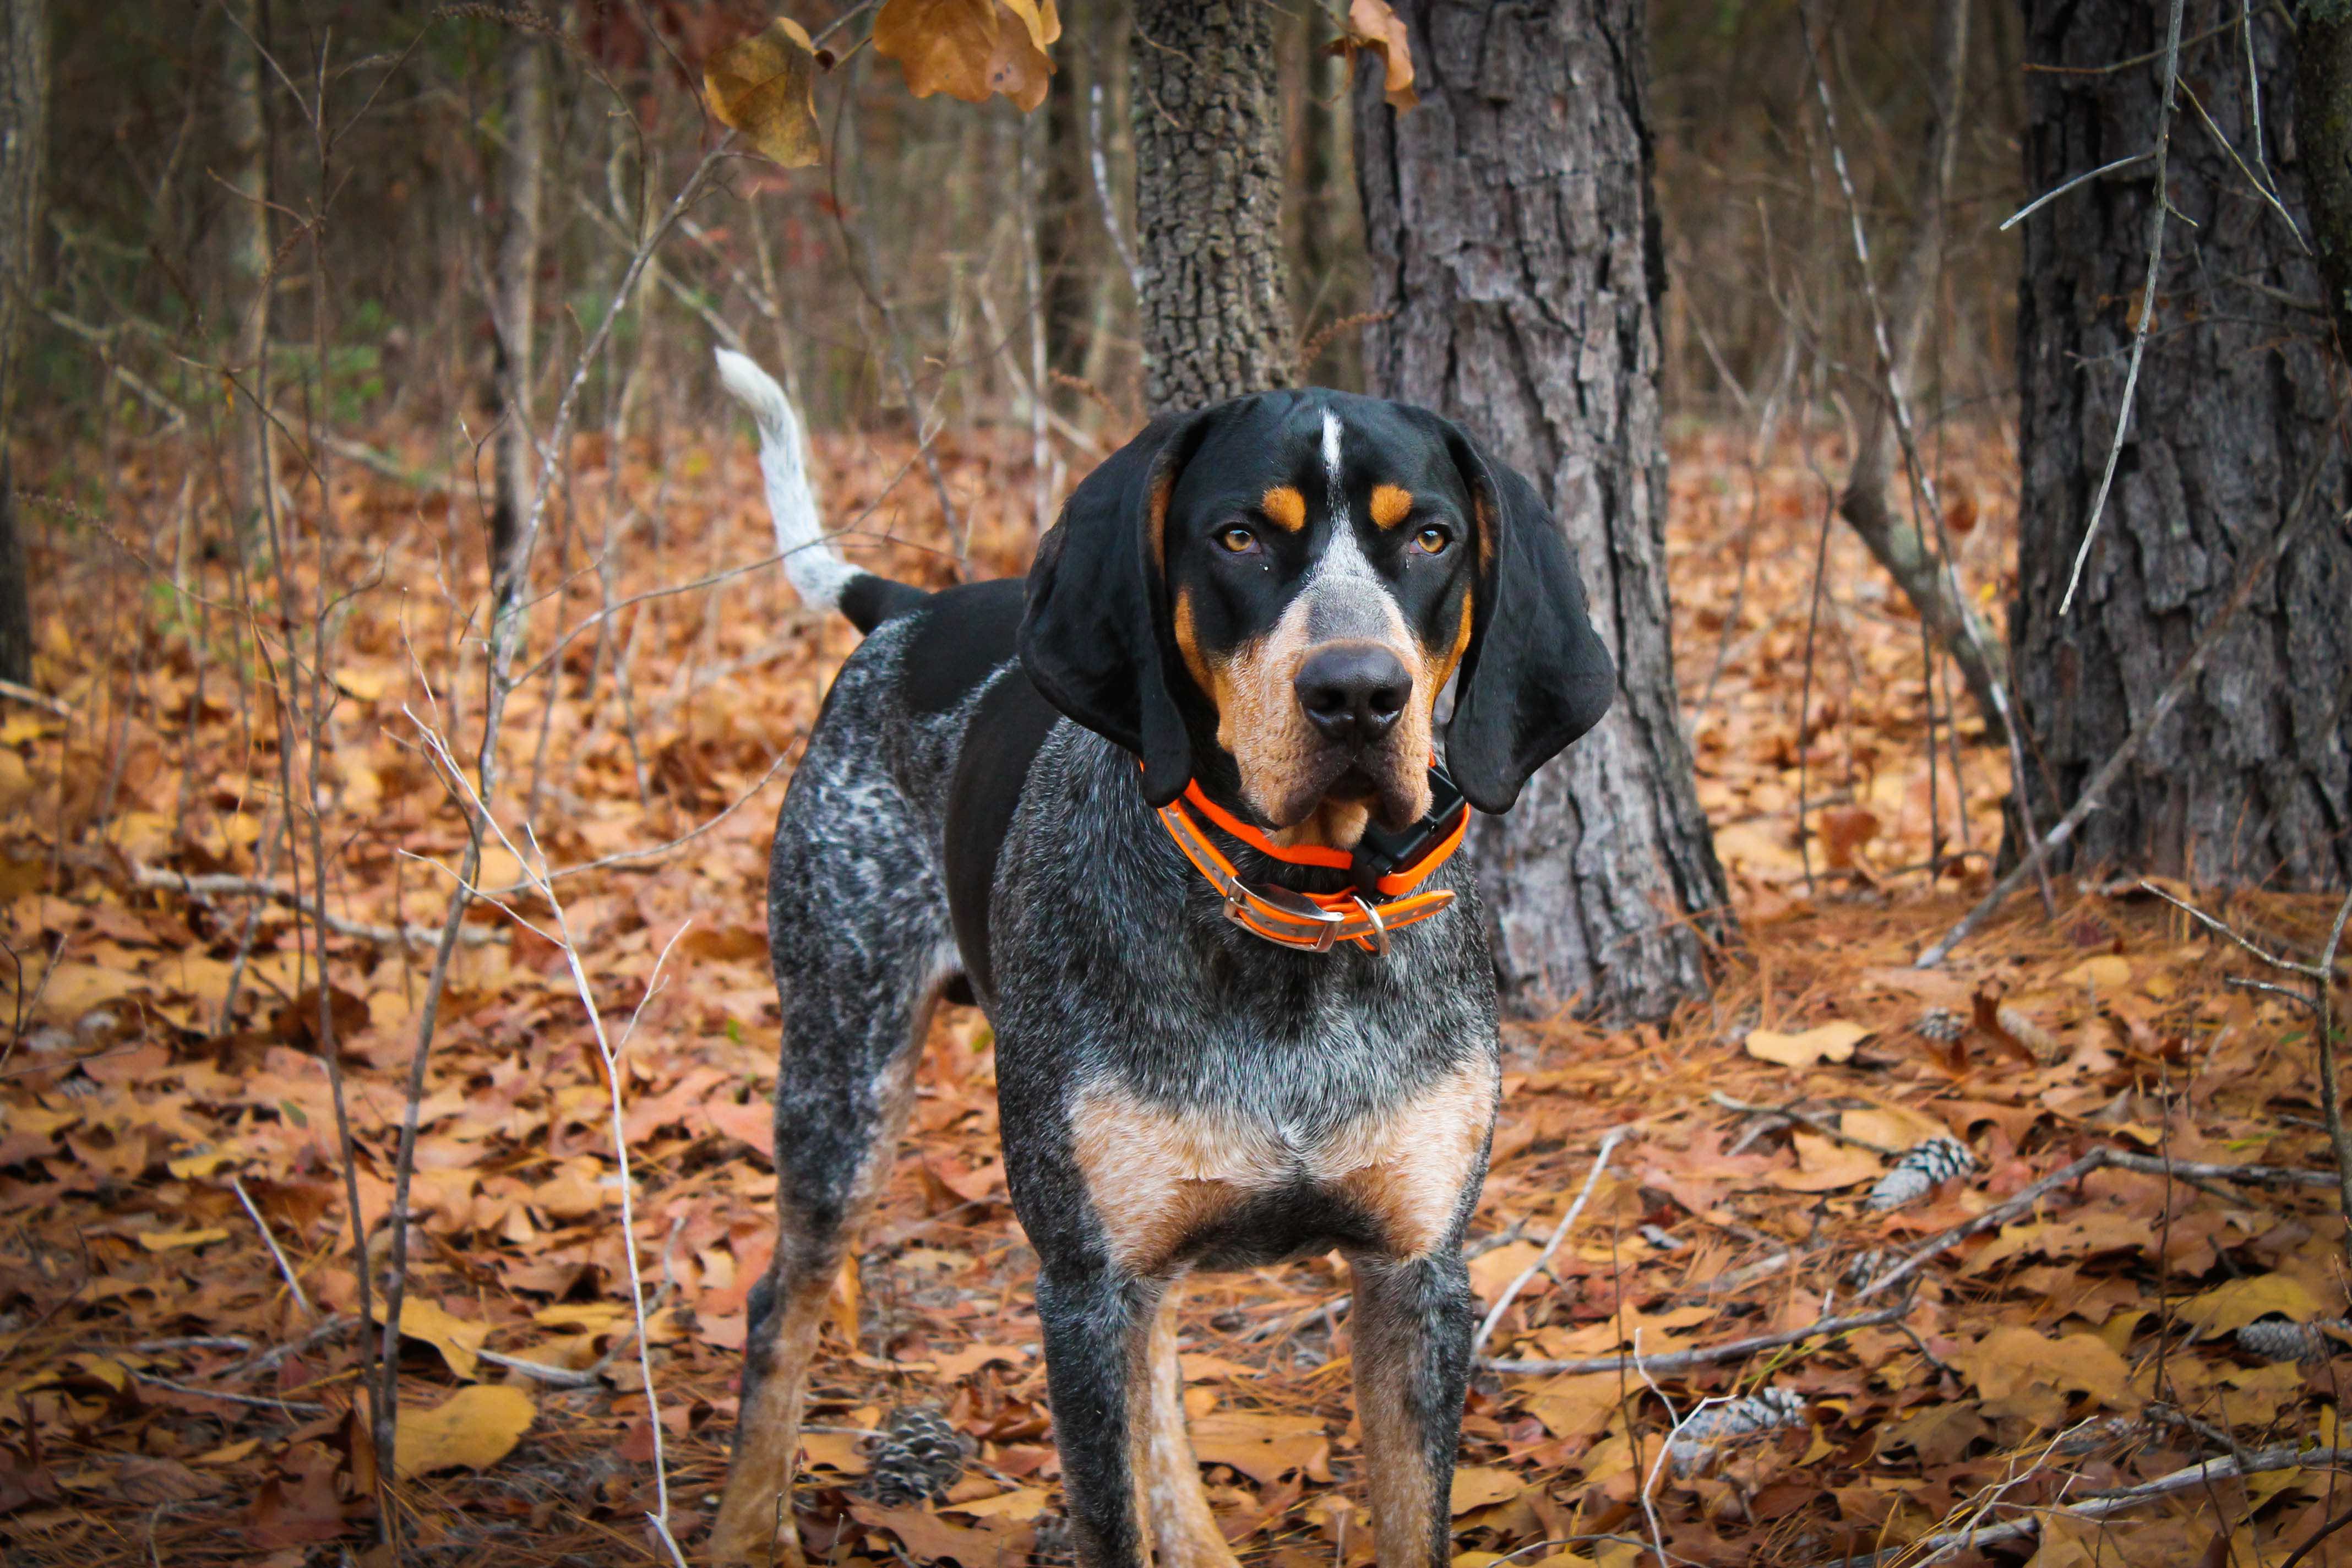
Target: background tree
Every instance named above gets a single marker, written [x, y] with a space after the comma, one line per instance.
[23, 142]
[1207, 117]
[1512, 231]
[2235, 414]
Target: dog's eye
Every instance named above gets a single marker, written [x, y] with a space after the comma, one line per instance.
[1236, 539]
[1434, 539]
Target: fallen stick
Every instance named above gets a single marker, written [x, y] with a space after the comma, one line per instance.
[35, 698]
[205, 887]
[2150, 1165]
[1705, 1355]
[2205, 1473]
[1615, 1136]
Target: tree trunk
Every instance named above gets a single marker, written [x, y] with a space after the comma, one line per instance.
[2249, 779]
[1215, 304]
[23, 140]
[1511, 229]
[523, 181]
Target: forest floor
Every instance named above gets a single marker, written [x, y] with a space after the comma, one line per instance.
[166, 1397]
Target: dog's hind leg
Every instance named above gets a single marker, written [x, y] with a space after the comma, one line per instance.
[861, 953]
[1184, 1533]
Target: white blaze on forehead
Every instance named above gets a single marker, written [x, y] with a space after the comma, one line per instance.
[1344, 597]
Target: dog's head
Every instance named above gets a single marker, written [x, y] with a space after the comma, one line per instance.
[1271, 594]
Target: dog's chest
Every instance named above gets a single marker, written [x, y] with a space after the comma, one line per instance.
[1163, 1176]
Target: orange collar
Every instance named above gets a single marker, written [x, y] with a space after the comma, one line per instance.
[1314, 923]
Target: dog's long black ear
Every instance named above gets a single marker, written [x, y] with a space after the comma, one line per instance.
[1536, 675]
[1097, 616]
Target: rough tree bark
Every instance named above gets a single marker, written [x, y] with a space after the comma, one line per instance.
[1510, 225]
[523, 182]
[2251, 779]
[24, 143]
[1215, 304]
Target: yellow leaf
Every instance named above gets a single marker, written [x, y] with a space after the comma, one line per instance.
[971, 1358]
[17, 785]
[1263, 1445]
[839, 1451]
[761, 87]
[455, 1339]
[165, 1240]
[1832, 1042]
[75, 989]
[1374, 29]
[474, 1428]
[2014, 1359]
[1039, 17]
[1491, 1273]
[1022, 1502]
[1577, 1404]
[943, 46]
[2232, 1304]
[1482, 1486]
[2105, 972]
[1893, 1126]
[1823, 1165]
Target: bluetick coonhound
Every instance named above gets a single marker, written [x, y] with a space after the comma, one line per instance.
[1170, 810]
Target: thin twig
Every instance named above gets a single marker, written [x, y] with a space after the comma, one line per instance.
[1615, 1136]
[270, 1241]
[1706, 1355]
[2038, 203]
[205, 887]
[41, 700]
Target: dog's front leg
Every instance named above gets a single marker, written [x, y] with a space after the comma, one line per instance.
[1097, 1321]
[1411, 1325]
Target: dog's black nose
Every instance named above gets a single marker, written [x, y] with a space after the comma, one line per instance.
[1352, 691]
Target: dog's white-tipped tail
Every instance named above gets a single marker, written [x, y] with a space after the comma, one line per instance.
[816, 569]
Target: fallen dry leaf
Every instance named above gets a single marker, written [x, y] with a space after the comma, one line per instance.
[1831, 1042]
[474, 1428]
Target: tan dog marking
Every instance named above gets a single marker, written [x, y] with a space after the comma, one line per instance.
[1284, 508]
[1171, 1507]
[755, 1516]
[1410, 1165]
[1391, 504]
[1157, 1176]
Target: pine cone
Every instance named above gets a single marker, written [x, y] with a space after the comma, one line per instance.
[1941, 1024]
[1927, 1166]
[2276, 1339]
[917, 1456]
[1766, 1411]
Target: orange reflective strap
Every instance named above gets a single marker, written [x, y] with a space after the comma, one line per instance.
[1313, 922]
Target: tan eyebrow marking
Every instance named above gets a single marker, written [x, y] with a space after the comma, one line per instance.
[1284, 508]
[1391, 505]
